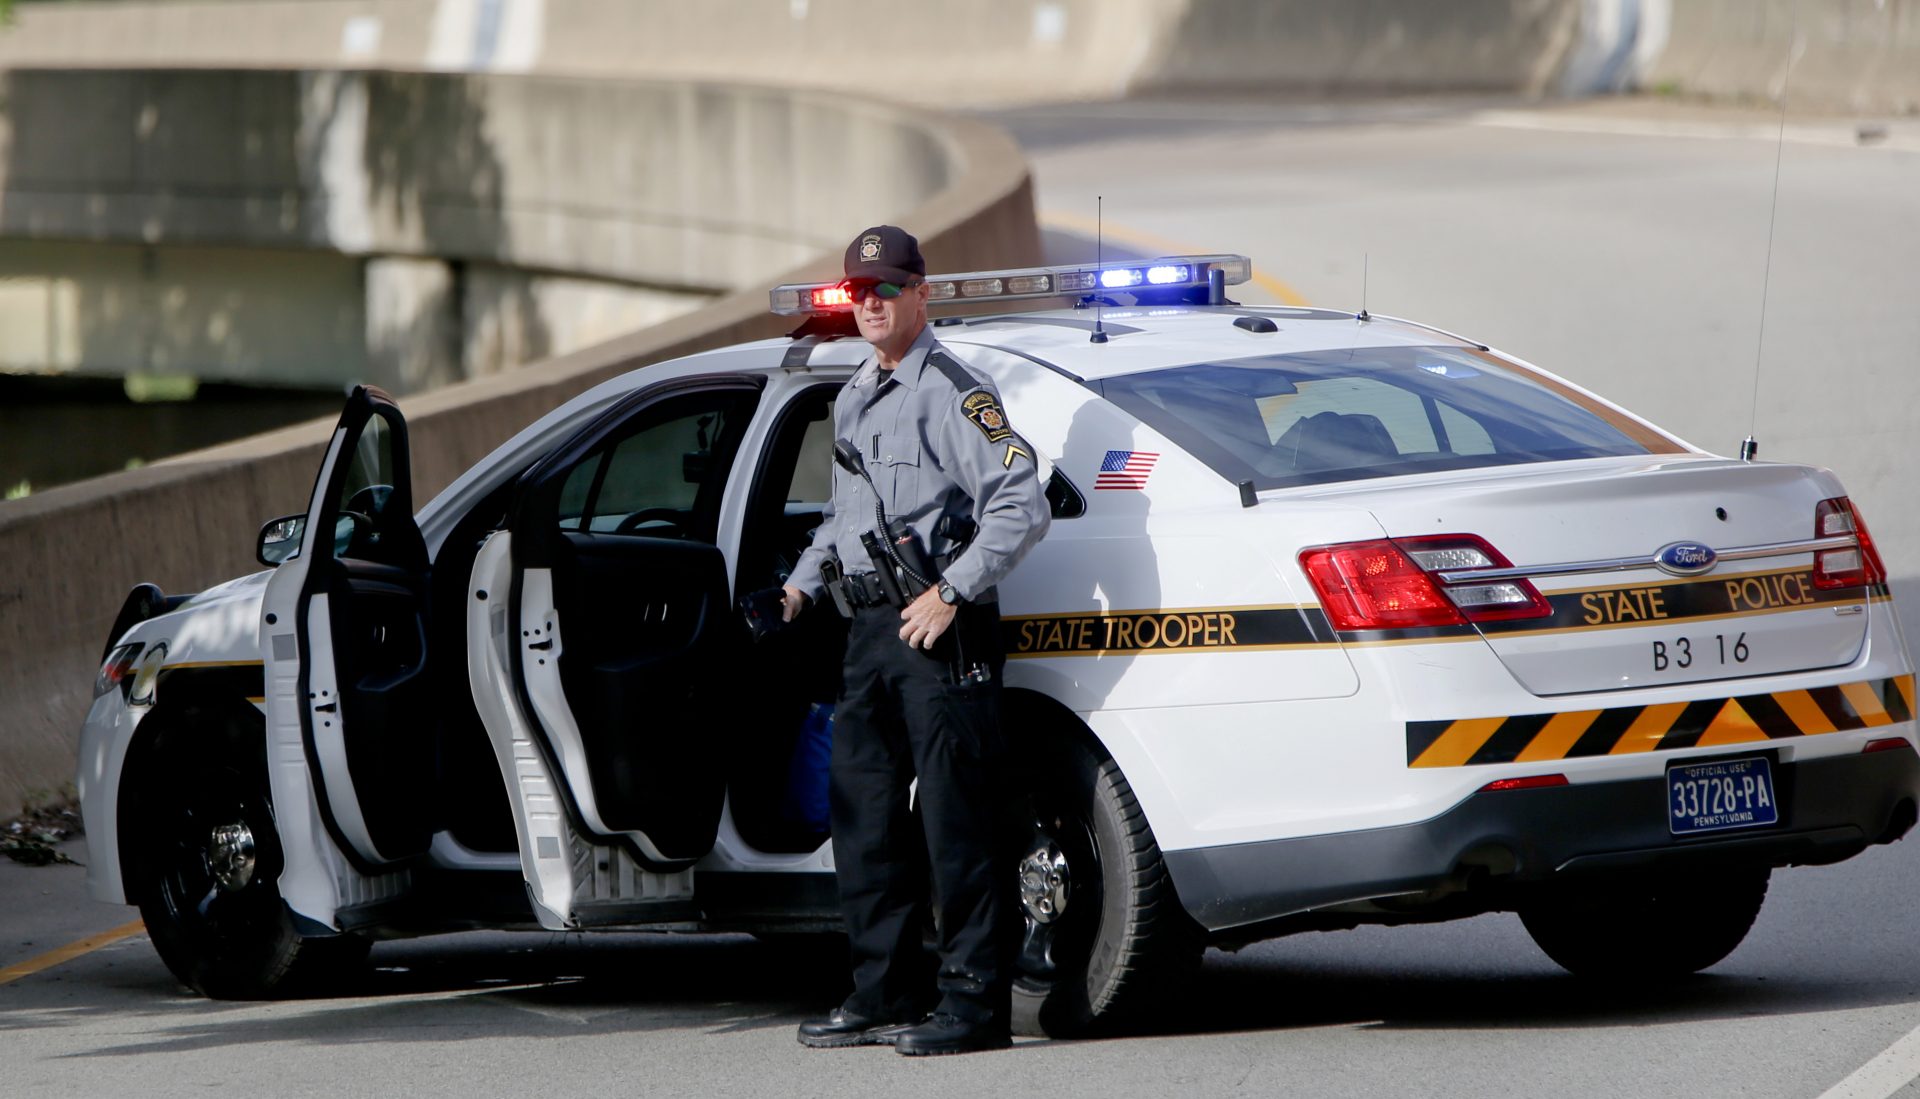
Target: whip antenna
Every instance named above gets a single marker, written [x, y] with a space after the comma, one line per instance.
[1366, 261]
[1749, 446]
[1099, 257]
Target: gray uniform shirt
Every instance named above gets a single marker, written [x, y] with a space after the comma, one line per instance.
[933, 448]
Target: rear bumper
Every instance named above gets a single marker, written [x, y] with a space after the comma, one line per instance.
[1830, 809]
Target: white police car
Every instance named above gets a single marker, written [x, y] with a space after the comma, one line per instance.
[1341, 620]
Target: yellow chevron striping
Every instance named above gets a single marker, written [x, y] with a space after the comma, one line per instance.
[1805, 713]
[1644, 734]
[1905, 686]
[1459, 742]
[1558, 737]
[1732, 725]
[1866, 702]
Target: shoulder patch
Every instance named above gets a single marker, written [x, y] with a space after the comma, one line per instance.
[983, 408]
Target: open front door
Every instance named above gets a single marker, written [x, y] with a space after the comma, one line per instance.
[626, 639]
[344, 623]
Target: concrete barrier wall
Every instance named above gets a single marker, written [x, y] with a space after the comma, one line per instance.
[68, 556]
[670, 185]
[439, 186]
[1849, 56]
[982, 52]
[1854, 55]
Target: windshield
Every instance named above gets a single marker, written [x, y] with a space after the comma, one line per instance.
[1316, 417]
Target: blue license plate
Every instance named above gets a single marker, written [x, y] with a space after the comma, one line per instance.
[1714, 797]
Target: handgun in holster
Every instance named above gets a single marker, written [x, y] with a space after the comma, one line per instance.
[831, 573]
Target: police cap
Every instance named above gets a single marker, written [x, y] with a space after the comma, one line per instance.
[885, 253]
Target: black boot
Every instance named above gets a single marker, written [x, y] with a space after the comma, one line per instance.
[943, 1033]
[848, 1028]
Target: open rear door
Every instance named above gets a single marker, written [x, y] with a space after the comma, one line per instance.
[345, 633]
[626, 640]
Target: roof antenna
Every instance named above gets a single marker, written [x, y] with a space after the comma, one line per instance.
[1749, 446]
[1366, 261]
[1099, 257]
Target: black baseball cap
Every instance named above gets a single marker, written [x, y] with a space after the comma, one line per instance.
[885, 253]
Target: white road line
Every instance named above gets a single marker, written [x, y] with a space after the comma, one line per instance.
[1896, 1067]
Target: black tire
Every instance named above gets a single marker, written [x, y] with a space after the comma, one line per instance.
[1641, 929]
[232, 941]
[1123, 943]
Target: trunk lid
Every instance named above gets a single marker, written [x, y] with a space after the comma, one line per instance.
[1640, 626]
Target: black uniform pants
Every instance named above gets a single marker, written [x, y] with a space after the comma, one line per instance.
[901, 716]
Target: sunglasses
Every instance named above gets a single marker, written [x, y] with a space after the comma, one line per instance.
[885, 291]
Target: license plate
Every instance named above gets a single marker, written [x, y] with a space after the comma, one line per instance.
[1714, 797]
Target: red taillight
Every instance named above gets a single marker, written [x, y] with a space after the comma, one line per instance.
[1386, 585]
[829, 296]
[1376, 586]
[115, 669]
[1886, 744]
[1531, 782]
[1854, 567]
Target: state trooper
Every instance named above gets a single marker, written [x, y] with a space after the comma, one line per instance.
[921, 686]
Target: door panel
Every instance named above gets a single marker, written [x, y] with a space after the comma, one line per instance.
[347, 682]
[647, 629]
[626, 634]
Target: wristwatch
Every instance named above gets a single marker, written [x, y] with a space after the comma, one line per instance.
[947, 593]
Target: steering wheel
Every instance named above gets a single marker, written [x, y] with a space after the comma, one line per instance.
[669, 516]
[370, 501]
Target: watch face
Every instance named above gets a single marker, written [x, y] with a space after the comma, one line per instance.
[948, 594]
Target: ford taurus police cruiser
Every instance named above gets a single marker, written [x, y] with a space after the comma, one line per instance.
[1342, 620]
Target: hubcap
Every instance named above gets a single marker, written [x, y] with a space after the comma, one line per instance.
[230, 857]
[1044, 882]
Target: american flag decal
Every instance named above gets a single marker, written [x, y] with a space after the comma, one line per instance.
[1125, 469]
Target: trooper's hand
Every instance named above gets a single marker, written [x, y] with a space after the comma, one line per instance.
[925, 619]
[792, 602]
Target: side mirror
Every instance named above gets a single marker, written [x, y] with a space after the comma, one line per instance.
[280, 539]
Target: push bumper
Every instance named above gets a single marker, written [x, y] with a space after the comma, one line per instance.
[1830, 809]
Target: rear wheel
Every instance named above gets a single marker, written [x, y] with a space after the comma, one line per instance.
[206, 877]
[1105, 937]
[1647, 928]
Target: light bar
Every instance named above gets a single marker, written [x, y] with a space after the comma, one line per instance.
[1159, 274]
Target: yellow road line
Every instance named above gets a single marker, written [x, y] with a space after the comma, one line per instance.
[70, 951]
[1155, 245]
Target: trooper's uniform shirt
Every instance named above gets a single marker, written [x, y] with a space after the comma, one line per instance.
[933, 446]
[937, 443]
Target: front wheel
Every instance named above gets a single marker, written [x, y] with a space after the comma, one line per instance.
[1105, 937]
[1654, 928]
[208, 866]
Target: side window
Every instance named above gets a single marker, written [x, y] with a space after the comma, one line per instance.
[663, 473]
[363, 516]
[812, 481]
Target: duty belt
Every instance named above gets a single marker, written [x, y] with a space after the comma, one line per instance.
[860, 589]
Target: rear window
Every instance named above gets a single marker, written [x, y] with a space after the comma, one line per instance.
[1324, 416]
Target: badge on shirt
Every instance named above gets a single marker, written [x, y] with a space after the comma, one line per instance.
[983, 408]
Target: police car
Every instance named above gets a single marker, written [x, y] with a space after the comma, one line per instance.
[1341, 620]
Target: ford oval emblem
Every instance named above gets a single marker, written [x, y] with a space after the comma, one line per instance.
[1685, 558]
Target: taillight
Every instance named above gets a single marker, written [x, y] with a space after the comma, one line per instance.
[1853, 567]
[117, 669]
[1887, 744]
[1375, 586]
[1531, 782]
[1389, 585]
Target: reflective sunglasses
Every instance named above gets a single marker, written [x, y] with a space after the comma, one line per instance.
[885, 291]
